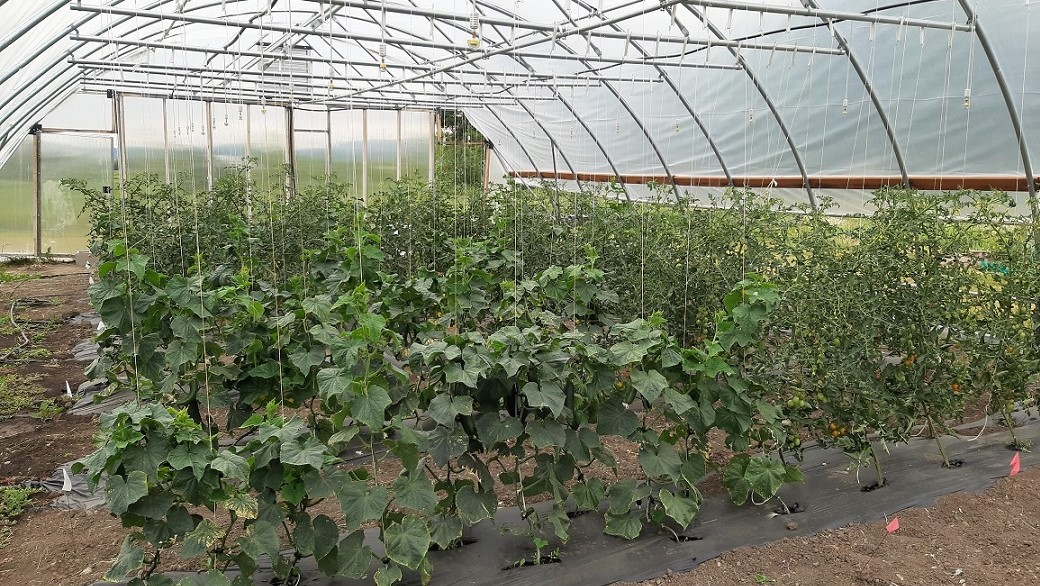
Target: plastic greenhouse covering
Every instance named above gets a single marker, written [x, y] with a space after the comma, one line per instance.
[809, 99]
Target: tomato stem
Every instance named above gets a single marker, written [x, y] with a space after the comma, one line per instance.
[1009, 421]
[938, 440]
[877, 465]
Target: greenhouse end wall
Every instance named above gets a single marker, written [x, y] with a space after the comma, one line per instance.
[191, 144]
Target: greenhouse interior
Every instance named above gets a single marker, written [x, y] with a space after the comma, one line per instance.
[516, 291]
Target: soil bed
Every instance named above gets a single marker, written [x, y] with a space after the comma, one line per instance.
[991, 538]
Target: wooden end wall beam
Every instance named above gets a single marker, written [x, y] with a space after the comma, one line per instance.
[923, 182]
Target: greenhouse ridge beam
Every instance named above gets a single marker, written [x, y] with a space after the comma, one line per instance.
[234, 75]
[160, 16]
[544, 28]
[233, 53]
[922, 182]
[826, 14]
[293, 92]
[626, 61]
[235, 96]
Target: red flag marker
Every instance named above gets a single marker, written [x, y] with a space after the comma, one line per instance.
[1016, 464]
[893, 525]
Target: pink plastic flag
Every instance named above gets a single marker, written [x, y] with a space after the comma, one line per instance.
[1016, 464]
[893, 525]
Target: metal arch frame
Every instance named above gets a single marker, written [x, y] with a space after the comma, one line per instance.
[874, 98]
[42, 16]
[624, 104]
[505, 126]
[581, 121]
[553, 143]
[66, 89]
[675, 89]
[1005, 91]
[40, 104]
[765, 97]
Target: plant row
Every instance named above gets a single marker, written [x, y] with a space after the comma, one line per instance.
[877, 328]
[465, 381]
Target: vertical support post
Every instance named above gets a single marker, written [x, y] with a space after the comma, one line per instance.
[120, 125]
[488, 153]
[434, 119]
[248, 111]
[37, 195]
[209, 143]
[290, 151]
[328, 146]
[166, 142]
[364, 156]
[398, 174]
[248, 115]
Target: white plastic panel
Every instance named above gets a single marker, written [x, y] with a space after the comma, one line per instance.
[16, 200]
[144, 136]
[229, 135]
[187, 126]
[347, 148]
[268, 146]
[382, 148]
[416, 144]
[63, 230]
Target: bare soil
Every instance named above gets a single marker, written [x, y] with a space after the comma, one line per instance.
[991, 538]
[38, 332]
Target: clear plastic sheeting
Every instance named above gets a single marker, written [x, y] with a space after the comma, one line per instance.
[312, 153]
[90, 112]
[63, 229]
[17, 201]
[229, 139]
[186, 132]
[381, 135]
[144, 132]
[798, 95]
[348, 148]
[268, 146]
[416, 142]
